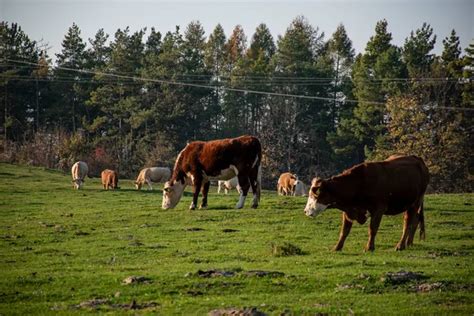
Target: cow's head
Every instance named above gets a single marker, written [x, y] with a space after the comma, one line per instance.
[77, 183]
[172, 193]
[319, 198]
[138, 185]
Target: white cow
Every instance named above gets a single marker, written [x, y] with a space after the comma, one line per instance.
[154, 174]
[300, 188]
[79, 171]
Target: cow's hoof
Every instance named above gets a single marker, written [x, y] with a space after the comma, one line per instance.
[238, 206]
[192, 208]
[367, 249]
[400, 247]
[337, 248]
[254, 206]
[203, 207]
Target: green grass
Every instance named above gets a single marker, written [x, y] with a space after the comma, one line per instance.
[60, 247]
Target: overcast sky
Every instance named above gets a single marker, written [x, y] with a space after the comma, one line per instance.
[50, 19]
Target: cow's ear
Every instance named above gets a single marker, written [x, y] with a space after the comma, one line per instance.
[316, 190]
[167, 189]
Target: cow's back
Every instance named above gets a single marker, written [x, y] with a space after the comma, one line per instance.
[396, 182]
[242, 152]
[158, 174]
[79, 170]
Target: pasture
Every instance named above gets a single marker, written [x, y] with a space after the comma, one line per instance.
[69, 252]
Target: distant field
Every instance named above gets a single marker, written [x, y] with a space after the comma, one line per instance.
[68, 252]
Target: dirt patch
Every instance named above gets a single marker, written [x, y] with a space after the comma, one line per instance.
[229, 230]
[96, 303]
[215, 273]
[246, 311]
[286, 250]
[260, 273]
[401, 277]
[194, 229]
[137, 280]
[231, 273]
[429, 287]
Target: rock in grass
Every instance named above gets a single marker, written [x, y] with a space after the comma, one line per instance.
[286, 250]
[246, 311]
[136, 280]
[429, 287]
[401, 277]
[215, 273]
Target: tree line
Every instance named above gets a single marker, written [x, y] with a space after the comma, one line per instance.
[136, 99]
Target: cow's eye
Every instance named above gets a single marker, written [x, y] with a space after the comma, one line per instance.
[315, 190]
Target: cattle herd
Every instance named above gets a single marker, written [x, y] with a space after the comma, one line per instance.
[370, 189]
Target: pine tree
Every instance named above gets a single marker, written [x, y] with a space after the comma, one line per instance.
[416, 51]
[18, 92]
[215, 61]
[258, 73]
[198, 101]
[119, 99]
[297, 128]
[373, 76]
[72, 95]
[234, 103]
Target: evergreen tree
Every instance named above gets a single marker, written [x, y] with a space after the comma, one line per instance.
[118, 98]
[18, 90]
[375, 76]
[258, 75]
[297, 128]
[215, 61]
[416, 51]
[69, 84]
[198, 101]
[235, 117]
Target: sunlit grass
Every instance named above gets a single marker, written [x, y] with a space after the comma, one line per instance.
[61, 247]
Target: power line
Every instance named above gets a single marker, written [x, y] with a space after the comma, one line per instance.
[266, 78]
[200, 85]
[135, 78]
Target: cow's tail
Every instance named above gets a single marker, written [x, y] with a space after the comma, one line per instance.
[421, 218]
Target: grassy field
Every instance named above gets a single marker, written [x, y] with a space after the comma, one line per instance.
[69, 252]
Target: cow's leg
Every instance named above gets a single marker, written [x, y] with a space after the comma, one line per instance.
[245, 185]
[255, 184]
[196, 188]
[205, 190]
[219, 186]
[410, 221]
[226, 190]
[148, 181]
[345, 230]
[412, 228]
[375, 219]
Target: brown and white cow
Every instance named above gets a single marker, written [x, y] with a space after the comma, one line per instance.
[109, 179]
[153, 174]
[228, 185]
[79, 171]
[286, 183]
[216, 160]
[388, 187]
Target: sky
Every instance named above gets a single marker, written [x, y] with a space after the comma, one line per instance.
[49, 20]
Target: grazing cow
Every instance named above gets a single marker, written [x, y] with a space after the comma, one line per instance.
[286, 183]
[227, 185]
[300, 188]
[109, 179]
[388, 187]
[79, 171]
[216, 160]
[149, 175]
